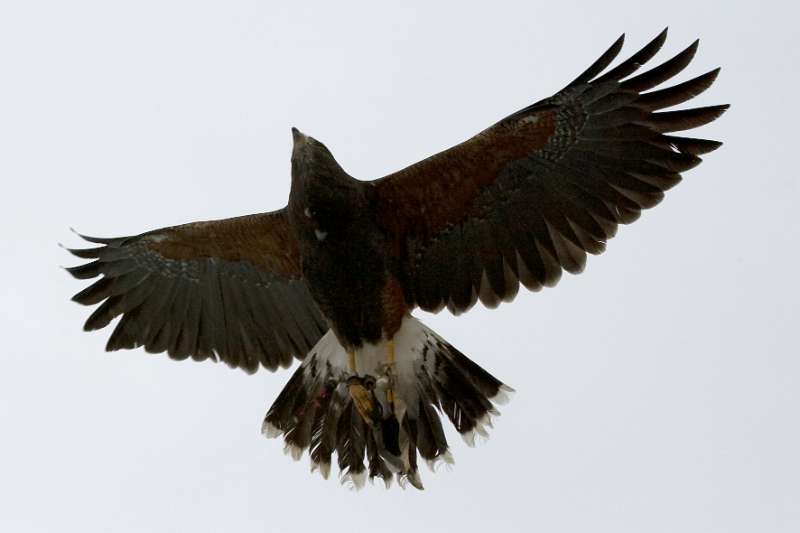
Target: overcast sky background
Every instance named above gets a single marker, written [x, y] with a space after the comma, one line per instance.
[658, 391]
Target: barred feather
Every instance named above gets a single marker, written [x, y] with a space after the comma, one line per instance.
[432, 378]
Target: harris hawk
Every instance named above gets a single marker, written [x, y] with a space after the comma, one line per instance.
[332, 278]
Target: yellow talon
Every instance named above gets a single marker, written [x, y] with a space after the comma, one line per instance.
[362, 399]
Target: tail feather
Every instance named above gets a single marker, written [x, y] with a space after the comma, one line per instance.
[351, 445]
[411, 473]
[316, 412]
[377, 465]
[300, 434]
[431, 442]
[323, 438]
[282, 412]
[461, 399]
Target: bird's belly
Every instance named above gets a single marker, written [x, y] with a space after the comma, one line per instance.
[347, 284]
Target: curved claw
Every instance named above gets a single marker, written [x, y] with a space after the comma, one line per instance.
[361, 391]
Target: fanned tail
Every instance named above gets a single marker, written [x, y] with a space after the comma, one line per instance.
[316, 412]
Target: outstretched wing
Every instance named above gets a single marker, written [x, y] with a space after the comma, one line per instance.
[229, 289]
[534, 193]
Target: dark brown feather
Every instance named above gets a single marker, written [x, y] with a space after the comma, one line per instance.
[633, 63]
[231, 287]
[532, 195]
[663, 72]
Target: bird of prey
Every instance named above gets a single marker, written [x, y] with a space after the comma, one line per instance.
[333, 277]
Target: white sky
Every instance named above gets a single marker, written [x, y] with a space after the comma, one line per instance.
[658, 391]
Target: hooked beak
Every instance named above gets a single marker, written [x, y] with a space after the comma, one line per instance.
[298, 136]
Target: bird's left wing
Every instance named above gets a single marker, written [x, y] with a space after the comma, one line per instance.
[534, 193]
[226, 289]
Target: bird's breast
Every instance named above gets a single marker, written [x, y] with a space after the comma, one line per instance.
[347, 272]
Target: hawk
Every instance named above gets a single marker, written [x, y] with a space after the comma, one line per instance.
[333, 277]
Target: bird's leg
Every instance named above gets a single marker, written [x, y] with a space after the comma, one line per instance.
[393, 436]
[361, 390]
[390, 358]
[351, 361]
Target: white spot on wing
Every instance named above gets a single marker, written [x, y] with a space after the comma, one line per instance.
[530, 119]
[320, 234]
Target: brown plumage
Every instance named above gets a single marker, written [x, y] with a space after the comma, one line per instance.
[229, 289]
[519, 202]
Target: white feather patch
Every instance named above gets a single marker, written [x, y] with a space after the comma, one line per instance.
[446, 459]
[295, 452]
[503, 396]
[409, 343]
[418, 350]
[355, 480]
[478, 433]
[324, 469]
[270, 431]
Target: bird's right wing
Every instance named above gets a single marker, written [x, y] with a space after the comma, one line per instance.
[536, 192]
[226, 289]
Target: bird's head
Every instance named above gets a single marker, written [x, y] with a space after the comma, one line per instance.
[321, 190]
[312, 159]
